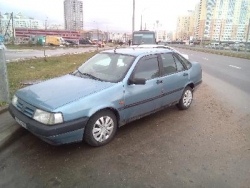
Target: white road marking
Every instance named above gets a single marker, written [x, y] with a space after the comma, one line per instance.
[234, 66]
[205, 58]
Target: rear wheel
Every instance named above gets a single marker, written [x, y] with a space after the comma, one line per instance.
[186, 99]
[100, 128]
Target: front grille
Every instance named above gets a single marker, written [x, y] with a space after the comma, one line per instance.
[19, 106]
[25, 108]
[28, 112]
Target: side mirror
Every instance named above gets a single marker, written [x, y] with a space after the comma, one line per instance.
[137, 81]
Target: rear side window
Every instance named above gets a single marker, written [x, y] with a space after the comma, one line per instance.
[184, 61]
[179, 65]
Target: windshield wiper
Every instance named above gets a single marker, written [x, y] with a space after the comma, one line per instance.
[90, 76]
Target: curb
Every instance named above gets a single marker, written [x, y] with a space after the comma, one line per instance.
[3, 109]
[9, 135]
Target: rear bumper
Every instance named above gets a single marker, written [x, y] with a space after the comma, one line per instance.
[58, 134]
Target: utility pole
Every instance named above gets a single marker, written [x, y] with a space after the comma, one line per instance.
[13, 29]
[44, 49]
[141, 16]
[133, 19]
[4, 85]
[141, 21]
[220, 30]
[97, 32]
[7, 28]
[157, 24]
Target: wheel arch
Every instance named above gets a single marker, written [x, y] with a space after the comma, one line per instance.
[115, 111]
[190, 85]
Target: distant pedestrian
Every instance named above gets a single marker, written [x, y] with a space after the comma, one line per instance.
[129, 42]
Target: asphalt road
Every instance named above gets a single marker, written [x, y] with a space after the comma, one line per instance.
[21, 54]
[207, 145]
[229, 77]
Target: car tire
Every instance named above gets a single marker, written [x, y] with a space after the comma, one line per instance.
[100, 128]
[186, 99]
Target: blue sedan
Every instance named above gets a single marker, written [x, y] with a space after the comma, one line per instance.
[112, 88]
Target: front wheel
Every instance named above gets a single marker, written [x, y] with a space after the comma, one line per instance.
[100, 128]
[186, 99]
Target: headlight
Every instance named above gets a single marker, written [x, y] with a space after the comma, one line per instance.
[48, 118]
[14, 100]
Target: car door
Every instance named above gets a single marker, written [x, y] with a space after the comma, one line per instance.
[141, 99]
[174, 76]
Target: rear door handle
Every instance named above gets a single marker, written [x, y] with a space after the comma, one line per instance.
[159, 81]
[185, 74]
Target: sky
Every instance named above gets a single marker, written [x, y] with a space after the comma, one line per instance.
[108, 15]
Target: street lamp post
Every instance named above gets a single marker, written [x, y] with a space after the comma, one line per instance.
[133, 18]
[44, 49]
[97, 29]
[141, 16]
[157, 25]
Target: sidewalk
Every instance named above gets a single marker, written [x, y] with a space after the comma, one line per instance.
[9, 129]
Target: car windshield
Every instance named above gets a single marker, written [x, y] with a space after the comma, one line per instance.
[107, 67]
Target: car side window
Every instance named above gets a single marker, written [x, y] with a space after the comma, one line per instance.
[179, 65]
[186, 62]
[168, 62]
[147, 69]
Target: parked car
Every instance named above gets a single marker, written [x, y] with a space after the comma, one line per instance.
[160, 46]
[176, 51]
[71, 43]
[101, 44]
[110, 89]
[216, 46]
[94, 41]
[85, 41]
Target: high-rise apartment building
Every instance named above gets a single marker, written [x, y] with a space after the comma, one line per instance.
[73, 15]
[185, 26]
[223, 20]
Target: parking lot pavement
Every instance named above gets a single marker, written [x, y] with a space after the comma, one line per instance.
[204, 146]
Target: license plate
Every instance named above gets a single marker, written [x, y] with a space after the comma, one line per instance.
[21, 123]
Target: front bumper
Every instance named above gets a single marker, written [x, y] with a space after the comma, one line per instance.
[58, 134]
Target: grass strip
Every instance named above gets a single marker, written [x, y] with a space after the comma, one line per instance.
[40, 69]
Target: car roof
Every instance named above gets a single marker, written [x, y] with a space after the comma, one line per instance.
[137, 51]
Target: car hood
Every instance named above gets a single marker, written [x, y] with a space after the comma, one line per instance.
[57, 92]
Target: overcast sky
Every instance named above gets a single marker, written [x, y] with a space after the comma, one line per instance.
[108, 15]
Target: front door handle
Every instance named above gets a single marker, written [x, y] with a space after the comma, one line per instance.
[159, 81]
[185, 74]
